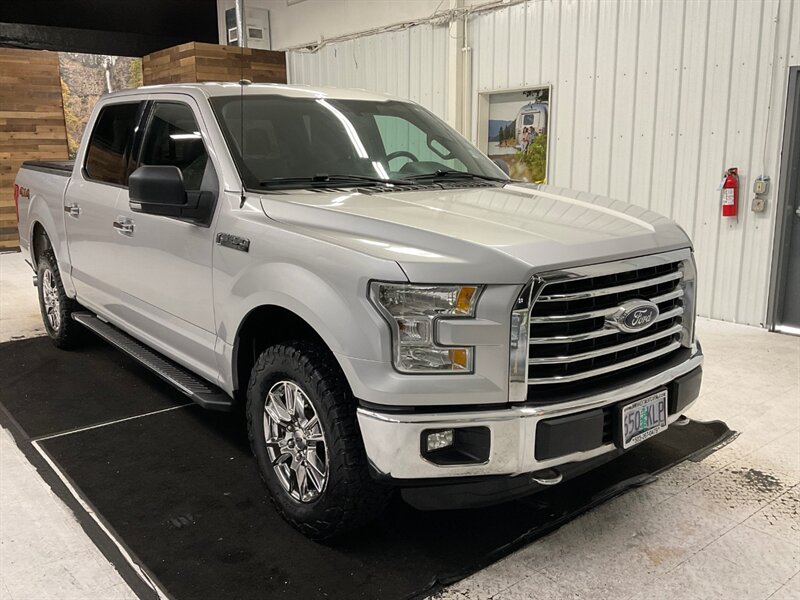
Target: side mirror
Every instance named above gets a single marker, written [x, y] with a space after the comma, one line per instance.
[157, 190]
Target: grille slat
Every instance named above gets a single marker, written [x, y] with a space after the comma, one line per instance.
[574, 334]
[612, 290]
[620, 365]
[607, 350]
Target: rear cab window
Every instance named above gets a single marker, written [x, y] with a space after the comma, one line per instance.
[108, 152]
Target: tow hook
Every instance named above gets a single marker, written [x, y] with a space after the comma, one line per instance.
[546, 477]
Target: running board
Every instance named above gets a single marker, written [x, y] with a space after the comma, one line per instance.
[204, 393]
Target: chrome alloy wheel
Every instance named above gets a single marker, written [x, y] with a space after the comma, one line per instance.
[52, 302]
[295, 441]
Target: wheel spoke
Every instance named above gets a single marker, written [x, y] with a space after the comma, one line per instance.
[289, 399]
[311, 424]
[302, 480]
[315, 465]
[281, 459]
[300, 407]
[314, 479]
[275, 409]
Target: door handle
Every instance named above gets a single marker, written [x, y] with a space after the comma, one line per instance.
[124, 225]
[797, 212]
[73, 210]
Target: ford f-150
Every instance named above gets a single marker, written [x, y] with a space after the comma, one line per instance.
[388, 308]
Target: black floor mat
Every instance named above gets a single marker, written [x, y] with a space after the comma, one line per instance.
[181, 490]
[49, 390]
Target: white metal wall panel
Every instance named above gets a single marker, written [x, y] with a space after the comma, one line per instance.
[411, 63]
[651, 100]
[584, 99]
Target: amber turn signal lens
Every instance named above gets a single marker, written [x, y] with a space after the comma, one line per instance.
[460, 358]
[464, 300]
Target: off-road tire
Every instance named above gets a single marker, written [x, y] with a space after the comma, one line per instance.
[351, 498]
[67, 333]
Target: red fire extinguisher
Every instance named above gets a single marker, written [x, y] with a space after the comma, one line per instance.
[730, 192]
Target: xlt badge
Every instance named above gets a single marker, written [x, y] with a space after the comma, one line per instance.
[233, 241]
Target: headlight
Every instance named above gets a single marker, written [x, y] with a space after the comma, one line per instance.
[412, 312]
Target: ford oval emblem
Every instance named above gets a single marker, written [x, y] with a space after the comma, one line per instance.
[636, 315]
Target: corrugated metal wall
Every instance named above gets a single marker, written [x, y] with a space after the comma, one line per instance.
[410, 64]
[652, 99]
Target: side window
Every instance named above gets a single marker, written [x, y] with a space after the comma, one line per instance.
[110, 143]
[173, 138]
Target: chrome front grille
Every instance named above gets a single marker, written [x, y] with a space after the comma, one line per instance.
[575, 337]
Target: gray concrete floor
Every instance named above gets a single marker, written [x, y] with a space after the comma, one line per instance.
[726, 527]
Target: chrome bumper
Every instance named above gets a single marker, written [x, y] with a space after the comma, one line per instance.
[392, 441]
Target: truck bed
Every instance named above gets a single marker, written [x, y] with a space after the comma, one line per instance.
[57, 167]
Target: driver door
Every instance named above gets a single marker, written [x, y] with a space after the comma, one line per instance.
[167, 261]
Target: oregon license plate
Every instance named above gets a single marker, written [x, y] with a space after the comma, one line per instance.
[644, 418]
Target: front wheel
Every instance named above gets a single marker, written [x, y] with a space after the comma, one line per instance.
[302, 426]
[56, 306]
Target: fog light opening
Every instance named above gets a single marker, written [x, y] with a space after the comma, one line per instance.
[437, 440]
[456, 445]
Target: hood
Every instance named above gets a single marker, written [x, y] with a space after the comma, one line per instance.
[500, 234]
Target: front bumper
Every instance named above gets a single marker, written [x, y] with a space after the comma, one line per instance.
[393, 440]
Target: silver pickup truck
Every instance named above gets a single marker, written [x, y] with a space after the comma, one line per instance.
[386, 306]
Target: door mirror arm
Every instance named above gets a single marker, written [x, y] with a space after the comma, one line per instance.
[199, 207]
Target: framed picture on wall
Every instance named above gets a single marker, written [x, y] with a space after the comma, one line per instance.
[513, 128]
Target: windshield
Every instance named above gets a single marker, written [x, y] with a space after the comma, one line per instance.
[291, 142]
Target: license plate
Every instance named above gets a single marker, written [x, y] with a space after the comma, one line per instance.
[644, 418]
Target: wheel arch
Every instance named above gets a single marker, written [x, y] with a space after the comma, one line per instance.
[264, 326]
[40, 242]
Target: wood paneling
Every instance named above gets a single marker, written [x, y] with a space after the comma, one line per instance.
[193, 62]
[31, 124]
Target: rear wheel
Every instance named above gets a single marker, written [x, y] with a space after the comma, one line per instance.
[302, 425]
[55, 305]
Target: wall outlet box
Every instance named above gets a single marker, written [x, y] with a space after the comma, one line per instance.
[759, 204]
[761, 185]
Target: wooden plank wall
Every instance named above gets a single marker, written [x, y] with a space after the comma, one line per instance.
[195, 61]
[31, 124]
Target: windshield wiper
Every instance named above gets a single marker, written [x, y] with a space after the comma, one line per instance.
[442, 174]
[322, 179]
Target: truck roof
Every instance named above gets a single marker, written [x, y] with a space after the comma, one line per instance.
[213, 89]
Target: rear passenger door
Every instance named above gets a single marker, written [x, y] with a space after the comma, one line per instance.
[90, 204]
[166, 261]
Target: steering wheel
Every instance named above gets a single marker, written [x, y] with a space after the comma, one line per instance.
[401, 154]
